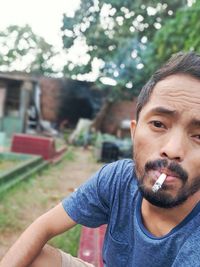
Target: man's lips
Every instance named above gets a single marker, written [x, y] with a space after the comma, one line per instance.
[171, 177]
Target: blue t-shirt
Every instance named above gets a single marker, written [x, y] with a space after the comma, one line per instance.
[111, 197]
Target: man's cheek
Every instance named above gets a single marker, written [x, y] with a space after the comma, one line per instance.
[139, 164]
[141, 152]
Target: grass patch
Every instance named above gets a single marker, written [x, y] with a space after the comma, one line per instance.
[24, 202]
[68, 241]
[6, 164]
[69, 155]
[17, 199]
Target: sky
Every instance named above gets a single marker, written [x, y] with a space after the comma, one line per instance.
[44, 16]
[45, 19]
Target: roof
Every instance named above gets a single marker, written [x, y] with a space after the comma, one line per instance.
[18, 76]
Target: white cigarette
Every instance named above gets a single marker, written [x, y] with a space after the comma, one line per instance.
[159, 182]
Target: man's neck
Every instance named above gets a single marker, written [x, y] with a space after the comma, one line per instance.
[160, 221]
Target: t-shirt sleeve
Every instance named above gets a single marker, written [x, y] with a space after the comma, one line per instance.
[90, 204]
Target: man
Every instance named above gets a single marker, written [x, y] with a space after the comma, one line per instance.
[145, 227]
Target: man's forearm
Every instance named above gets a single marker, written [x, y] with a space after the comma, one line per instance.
[27, 247]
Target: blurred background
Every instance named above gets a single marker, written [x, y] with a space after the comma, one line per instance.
[70, 74]
[63, 60]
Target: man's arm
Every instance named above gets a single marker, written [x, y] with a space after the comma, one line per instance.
[31, 242]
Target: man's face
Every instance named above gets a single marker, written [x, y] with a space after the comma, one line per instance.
[167, 140]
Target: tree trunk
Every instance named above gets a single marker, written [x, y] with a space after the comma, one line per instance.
[97, 123]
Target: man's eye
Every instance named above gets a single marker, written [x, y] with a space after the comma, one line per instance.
[157, 124]
[197, 136]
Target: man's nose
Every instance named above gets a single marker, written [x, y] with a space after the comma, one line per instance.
[173, 146]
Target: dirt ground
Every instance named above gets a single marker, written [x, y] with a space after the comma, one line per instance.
[61, 179]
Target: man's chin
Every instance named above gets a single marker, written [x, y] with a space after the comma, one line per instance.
[161, 198]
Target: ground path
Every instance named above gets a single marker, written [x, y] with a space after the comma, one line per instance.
[28, 200]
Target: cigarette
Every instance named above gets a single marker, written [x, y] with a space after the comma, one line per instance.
[159, 182]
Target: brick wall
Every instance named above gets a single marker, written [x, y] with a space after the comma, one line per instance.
[117, 112]
[50, 98]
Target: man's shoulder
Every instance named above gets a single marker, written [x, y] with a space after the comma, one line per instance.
[122, 168]
[121, 165]
[118, 173]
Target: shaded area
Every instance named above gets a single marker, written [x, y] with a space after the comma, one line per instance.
[79, 100]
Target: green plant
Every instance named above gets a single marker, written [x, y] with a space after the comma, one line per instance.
[69, 241]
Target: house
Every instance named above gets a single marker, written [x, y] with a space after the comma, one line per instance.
[114, 117]
[18, 98]
[65, 101]
[39, 103]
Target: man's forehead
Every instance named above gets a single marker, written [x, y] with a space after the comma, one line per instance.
[175, 95]
[178, 89]
[171, 112]
[176, 83]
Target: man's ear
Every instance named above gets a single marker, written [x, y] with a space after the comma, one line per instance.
[133, 127]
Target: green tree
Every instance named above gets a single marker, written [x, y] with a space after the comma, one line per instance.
[179, 34]
[21, 49]
[118, 34]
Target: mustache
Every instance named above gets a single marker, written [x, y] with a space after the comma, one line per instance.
[171, 166]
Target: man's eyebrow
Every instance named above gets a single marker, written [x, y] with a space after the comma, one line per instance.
[164, 111]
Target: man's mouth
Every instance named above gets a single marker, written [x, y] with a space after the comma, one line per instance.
[173, 171]
[171, 176]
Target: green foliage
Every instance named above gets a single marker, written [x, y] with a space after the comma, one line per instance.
[179, 34]
[119, 34]
[69, 241]
[21, 49]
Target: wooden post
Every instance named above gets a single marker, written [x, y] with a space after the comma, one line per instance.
[26, 89]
